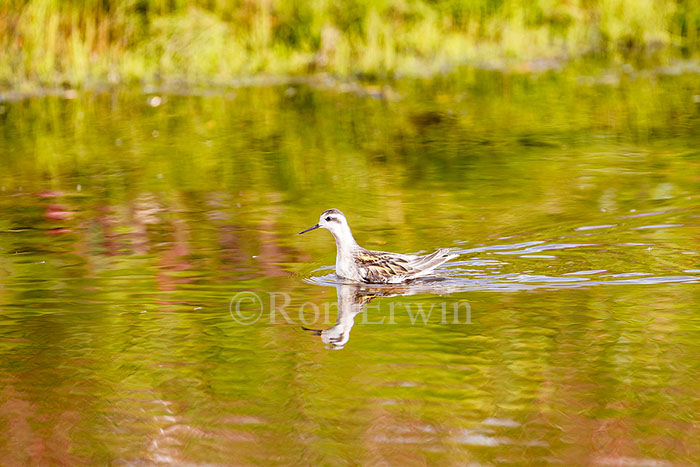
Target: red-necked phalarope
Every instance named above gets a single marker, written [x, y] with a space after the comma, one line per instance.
[376, 267]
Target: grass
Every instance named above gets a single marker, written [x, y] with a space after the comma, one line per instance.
[86, 42]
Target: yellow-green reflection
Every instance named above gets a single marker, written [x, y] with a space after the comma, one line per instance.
[128, 228]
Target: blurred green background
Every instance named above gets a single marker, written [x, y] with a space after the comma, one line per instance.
[92, 42]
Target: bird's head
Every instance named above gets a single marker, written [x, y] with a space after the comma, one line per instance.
[331, 219]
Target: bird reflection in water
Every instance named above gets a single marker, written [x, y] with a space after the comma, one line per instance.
[352, 299]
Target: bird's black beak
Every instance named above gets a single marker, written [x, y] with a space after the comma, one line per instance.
[310, 228]
[315, 332]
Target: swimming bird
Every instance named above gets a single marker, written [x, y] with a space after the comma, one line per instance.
[358, 264]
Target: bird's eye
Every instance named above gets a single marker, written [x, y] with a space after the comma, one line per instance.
[328, 219]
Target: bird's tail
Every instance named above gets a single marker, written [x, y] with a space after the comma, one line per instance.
[427, 263]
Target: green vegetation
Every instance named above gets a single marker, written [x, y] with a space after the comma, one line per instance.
[89, 42]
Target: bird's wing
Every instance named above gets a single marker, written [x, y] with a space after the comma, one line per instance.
[381, 267]
[378, 267]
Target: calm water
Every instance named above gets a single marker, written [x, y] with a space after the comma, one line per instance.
[156, 304]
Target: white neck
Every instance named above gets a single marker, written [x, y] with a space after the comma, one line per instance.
[344, 241]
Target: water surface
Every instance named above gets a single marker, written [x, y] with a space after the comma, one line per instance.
[156, 304]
